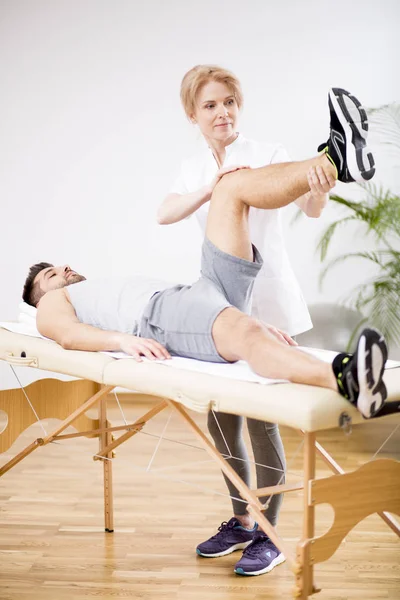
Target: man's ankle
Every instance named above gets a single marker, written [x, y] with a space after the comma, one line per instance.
[329, 165]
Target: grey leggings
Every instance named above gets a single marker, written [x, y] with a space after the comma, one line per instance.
[267, 449]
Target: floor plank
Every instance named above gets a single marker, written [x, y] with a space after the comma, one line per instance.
[53, 546]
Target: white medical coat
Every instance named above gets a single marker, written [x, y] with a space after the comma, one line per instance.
[277, 297]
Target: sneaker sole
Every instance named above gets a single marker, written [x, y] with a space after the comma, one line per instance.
[354, 121]
[233, 548]
[371, 358]
[277, 561]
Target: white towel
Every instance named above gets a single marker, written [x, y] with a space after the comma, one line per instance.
[27, 319]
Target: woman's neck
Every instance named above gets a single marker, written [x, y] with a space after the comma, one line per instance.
[218, 148]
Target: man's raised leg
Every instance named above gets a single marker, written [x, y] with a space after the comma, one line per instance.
[268, 187]
[345, 157]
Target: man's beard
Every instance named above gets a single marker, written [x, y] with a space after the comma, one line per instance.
[75, 278]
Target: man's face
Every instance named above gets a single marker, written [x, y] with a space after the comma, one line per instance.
[54, 278]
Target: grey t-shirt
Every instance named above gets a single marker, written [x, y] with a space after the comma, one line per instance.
[115, 304]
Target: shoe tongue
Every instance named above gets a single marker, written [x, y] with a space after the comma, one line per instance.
[260, 536]
[341, 364]
[234, 522]
[258, 544]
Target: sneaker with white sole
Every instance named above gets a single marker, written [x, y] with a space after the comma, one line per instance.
[346, 147]
[360, 376]
[231, 536]
[260, 557]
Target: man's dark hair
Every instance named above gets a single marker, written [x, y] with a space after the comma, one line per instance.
[31, 293]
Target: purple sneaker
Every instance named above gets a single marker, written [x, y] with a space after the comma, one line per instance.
[259, 557]
[231, 536]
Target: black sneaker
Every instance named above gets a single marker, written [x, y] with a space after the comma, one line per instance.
[346, 147]
[359, 376]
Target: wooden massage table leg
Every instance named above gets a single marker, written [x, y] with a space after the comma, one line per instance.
[50, 399]
[337, 469]
[55, 399]
[254, 505]
[372, 488]
[305, 564]
[105, 439]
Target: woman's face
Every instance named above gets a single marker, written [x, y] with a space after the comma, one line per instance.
[216, 112]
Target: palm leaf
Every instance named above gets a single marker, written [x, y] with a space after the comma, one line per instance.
[379, 212]
[380, 300]
[355, 333]
[378, 257]
[325, 240]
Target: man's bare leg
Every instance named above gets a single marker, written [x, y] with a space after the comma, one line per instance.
[268, 187]
[240, 337]
[274, 186]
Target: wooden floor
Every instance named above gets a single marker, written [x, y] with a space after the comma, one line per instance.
[53, 546]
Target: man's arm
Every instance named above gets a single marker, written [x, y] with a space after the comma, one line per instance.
[57, 320]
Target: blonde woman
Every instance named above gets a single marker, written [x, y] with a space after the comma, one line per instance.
[212, 99]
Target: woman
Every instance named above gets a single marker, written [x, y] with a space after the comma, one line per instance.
[212, 98]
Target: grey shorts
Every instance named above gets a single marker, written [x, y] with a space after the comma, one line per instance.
[181, 317]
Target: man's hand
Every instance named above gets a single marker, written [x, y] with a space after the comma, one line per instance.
[137, 347]
[280, 335]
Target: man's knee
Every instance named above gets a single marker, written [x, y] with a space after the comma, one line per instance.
[245, 331]
[226, 200]
[248, 328]
[227, 189]
[233, 331]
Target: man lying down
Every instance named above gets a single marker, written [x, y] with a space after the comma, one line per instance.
[209, 320]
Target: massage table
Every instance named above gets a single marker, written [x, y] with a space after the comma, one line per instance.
[309, 409]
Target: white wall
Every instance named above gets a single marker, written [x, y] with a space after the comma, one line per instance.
[92, 132]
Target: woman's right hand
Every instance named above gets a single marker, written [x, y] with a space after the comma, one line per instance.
[223, 172]
[176, 207]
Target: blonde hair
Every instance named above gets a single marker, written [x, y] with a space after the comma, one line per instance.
[198, 76]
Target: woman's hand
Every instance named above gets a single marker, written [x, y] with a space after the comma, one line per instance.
[314, 201]
[176, 207]
[137, 347]
[223, 172]
[280, 335]
[320, 183]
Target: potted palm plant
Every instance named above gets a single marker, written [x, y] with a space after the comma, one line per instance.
[378, 213]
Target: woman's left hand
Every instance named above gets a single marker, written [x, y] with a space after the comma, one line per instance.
[320, 181]
[314, 201]
[280, 335]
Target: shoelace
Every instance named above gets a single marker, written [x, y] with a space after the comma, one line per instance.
[258, 543]
[223, 527]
